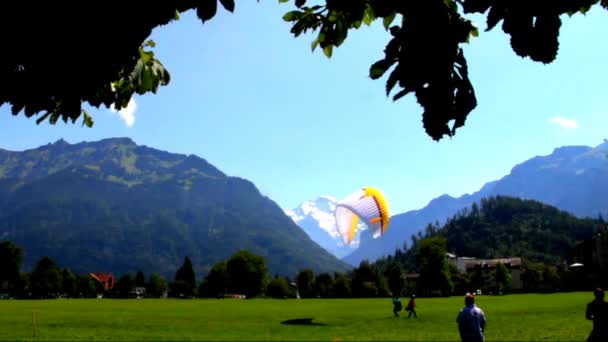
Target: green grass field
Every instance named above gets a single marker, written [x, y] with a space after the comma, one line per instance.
[554, 317]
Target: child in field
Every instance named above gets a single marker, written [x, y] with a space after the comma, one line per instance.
[397, 306]
[411, 307]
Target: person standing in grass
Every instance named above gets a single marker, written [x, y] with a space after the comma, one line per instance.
[411, 307]
[397, 306]
[597, 311]
[471, 321]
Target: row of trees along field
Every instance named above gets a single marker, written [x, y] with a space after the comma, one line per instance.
[500, 227]
[243, 273]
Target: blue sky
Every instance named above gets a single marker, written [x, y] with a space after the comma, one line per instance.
[258, 104]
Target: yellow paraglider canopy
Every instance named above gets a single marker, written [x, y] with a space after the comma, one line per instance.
[368, 205]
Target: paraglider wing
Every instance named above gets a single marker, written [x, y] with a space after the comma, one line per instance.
[367, 205]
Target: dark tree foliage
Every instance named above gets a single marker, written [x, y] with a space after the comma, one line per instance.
[186, 274]
[140, 279]
[247, 273]
[215, 283]
[434, 268]
[341, 287]
[113, 62]
[278, 287]
[323, 285]
[156, 286]
[305, 282]
[45, 279]
[11, 258]
[366, 280]
[395, 278]
[85, 286]
[124, 286]
[501, 227]
[69, 283]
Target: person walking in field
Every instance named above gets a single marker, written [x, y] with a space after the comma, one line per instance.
[411, 307]
[471, 321]
[397, 306]
[597, 311]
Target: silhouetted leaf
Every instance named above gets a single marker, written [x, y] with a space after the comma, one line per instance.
[17, 107]
[228, 5]
[43, 117]
[206, 9]
[300, 3]
[494, 17]
[392, 80]
[401, 94]
[476, 6]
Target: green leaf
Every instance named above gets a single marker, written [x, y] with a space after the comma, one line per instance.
[314, 44]
[341, 32]
[206, 9]
[283, 1]
[54, 117]
[146, 81]
[379, 68]
[176, 16]
[150, 43]
[87, 119]
[228, 5]
[146, 56]
[368, 18]
[293, 15]
[451, 5]
[134, 74]
[328, 50]
[387, 21]
[474, 30]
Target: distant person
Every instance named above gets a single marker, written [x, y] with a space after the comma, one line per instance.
[471, 321]
[597, 311]
[397, 306]
[411, 307]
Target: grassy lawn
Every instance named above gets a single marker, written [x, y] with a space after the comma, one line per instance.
[554, 317]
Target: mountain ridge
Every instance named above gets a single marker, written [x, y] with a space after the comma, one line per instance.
[571, 178]
[117, 206]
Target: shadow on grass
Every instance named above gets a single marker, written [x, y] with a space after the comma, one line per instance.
[301, 321]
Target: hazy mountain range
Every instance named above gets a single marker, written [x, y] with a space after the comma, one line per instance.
[571, 178]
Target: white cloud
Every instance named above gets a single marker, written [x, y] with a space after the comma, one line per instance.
[564, 123]
[127, 114]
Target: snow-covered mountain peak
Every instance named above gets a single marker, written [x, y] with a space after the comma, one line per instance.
[316, 217]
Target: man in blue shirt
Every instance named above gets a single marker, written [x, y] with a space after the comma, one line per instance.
[471, 321]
